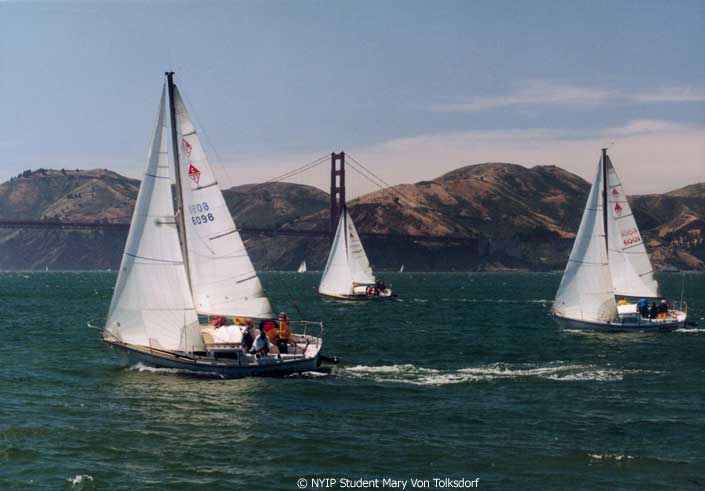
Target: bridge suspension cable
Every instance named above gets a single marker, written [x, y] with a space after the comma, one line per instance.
[358, 167]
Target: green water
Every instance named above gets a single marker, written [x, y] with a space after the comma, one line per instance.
[465, 376]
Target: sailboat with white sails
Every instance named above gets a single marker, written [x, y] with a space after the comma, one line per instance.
[302, 267]
[609, 260]
[179, 264]
[348, 275]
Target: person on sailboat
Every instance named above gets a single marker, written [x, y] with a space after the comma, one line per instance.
[643, 306]
[653, 313]
[284, 333]
[269, 326]
[247, 339]
[262, 344]
[663, 309]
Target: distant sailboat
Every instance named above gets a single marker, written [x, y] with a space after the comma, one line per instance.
[302, 267]
[177, 265]
[609, 259]
[401, 270]
[348, 274]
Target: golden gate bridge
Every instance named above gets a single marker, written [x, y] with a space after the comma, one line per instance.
[337, 196]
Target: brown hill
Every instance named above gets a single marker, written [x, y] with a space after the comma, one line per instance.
[68, 195]
[493, 216]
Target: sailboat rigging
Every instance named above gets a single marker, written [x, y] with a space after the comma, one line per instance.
[190, 260]
[609, 260]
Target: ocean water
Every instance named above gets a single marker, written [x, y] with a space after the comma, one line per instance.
[465, 376]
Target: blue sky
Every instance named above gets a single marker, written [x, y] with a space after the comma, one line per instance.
[412, 89]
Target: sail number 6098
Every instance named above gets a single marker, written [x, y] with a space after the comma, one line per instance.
[200, 210]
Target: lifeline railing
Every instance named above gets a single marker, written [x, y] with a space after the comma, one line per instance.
[307, 335]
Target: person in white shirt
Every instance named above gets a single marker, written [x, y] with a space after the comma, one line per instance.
[262, 344]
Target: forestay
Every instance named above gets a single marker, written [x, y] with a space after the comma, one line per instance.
[632, 273]
[586, 291]
[222, 277]
[347, 262]
[152, 304]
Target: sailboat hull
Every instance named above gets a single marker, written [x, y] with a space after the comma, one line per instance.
[359, 298]
[644, 325]
[268, 366]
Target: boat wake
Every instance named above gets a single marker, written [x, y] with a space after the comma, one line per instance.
[411, 374]
[690, 330]
[141, 367]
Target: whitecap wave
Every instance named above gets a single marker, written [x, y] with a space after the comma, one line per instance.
[610, 456]
[411, 374]
[690, 330]
[79, 480]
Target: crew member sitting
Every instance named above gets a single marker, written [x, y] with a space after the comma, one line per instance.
[261, 346]
[653, 313]
[284, 333]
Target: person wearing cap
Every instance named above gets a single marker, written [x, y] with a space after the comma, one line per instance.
[284, 333]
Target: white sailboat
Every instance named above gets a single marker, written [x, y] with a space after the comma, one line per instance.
[179, 264]
[609, 260]
[302, 267]
[401, 270]
[347, 274]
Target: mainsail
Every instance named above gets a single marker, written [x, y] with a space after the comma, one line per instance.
[302, 267]
[632, 273]
[223, 280]
[347, 262]
[586, 292]
[152, 304]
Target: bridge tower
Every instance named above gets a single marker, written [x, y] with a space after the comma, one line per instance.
[337, 191]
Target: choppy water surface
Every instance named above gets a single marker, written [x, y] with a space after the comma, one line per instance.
[464, 376]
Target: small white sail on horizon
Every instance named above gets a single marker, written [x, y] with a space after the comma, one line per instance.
[152, 304]
[302, 267]
[347, 265]
[223, 279]
[401, 270]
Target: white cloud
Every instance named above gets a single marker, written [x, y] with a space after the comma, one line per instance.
[545, 92]
[651, 156]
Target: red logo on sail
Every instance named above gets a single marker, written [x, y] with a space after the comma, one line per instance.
[194, 173]
[187, 149]
[618, 209]
[615, 193]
